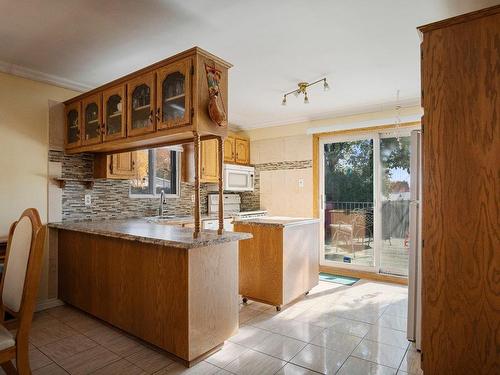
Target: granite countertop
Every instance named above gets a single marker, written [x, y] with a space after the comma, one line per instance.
[278, 221]
[146, 231]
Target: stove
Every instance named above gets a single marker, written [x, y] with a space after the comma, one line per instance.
[232, 206]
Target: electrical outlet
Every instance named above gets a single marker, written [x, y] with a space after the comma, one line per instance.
[88, 200]
[192, 198]
[301, 182]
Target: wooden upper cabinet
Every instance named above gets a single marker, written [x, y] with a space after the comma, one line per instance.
[209, 161]
[92, 124]
[164, 103]
[140, 103]
[114, 113]
[117, 166]
[173, 94]
[242, 147]
[229, 150]
[72, 133]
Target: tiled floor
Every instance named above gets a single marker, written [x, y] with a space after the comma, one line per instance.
[335, 329]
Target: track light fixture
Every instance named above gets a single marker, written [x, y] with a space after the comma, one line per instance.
[302, 89]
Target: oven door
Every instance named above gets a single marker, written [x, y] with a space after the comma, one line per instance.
[238, 179]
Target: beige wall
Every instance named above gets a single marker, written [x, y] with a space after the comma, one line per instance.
[24, 140]
[289, 192]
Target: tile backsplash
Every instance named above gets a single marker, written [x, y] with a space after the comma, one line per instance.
[110, 198]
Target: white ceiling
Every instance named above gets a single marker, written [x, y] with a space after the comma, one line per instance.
[367, 49]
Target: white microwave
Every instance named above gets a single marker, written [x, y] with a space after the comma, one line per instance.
[238, 177]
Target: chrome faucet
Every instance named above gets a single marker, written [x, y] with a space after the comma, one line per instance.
[162, 202]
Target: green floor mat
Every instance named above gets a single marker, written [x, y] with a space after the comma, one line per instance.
[338, 279]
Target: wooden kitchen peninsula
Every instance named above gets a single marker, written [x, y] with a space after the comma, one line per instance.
[153, 281]
[281, 262]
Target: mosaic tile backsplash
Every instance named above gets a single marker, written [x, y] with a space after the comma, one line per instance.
[110, 198]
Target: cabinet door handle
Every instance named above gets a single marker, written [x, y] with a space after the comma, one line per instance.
[133, 164]
[158, 114]
[151, 116]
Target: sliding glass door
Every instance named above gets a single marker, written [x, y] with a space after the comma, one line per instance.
[364, 200]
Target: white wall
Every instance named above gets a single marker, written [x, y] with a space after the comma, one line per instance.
[24, 140]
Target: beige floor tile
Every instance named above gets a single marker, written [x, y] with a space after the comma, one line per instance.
[38, 359]
[247, 314]
[149, 360]
[258, 306]
[397, 310]
[279, 346]
[255, 363]
[298, 330]
[357, 366]
[67, 347]
[334, 340]
[227, 354]
[411, 361]
[387, 336]
[122, 345]
[51, 369]
[265, 321]
[350, 327]
[249, 336]
[64, 313]
[49, 332]
[383, 354]
[291, 369]
[402, 373]
[319, 359]
[391, 321]
[222, 372]
[121, 367]
[84, 323]
[202, 368]
[88, 361]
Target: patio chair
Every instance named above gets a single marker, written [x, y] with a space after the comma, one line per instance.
[358, 227]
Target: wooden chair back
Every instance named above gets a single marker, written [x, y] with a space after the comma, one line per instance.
[22, 270]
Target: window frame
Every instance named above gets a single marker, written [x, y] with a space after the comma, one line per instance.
[152, 168]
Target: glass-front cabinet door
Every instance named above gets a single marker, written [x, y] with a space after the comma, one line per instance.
[140, 102]
[173, 95]
[92, 120]
[114, 124]
[73, 123]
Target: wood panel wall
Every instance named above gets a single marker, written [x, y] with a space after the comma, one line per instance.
[461, 192]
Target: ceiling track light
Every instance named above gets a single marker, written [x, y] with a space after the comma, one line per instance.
[303, 90]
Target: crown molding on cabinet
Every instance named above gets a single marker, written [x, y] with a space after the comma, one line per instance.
[35, 75]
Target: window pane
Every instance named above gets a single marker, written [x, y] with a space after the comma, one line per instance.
[140, 184]
[165, 171]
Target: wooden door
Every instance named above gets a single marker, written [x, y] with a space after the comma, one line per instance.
[229, 150]
[461, 169]
[242, 151]
[114, 110]
[92, 120]
[140, 103]
[173, 94]
[73, 118]
[209, 161]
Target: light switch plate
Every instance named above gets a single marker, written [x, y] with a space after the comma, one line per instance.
[88, 200]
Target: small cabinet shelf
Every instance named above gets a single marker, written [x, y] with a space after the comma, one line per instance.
[91, 109]
[173, 99]
[114, 123]
[141, 95]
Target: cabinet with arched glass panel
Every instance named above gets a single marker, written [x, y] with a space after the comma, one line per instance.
[140, 102]
[91, 107]
[72, 134]
[174, 94]
[114, 110]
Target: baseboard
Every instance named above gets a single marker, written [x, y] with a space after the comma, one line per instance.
[364, 275]
[48, 303]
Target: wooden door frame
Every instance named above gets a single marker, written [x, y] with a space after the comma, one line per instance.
[120, 90]
[85, 102]
[148, 79]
